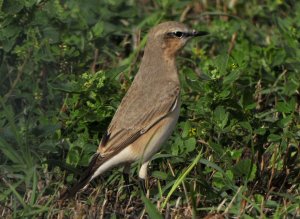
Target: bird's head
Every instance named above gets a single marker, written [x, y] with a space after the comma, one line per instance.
[170, 37]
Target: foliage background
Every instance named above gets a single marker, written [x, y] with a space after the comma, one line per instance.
[65, 65]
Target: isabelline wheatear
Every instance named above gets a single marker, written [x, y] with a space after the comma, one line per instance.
[148, 112]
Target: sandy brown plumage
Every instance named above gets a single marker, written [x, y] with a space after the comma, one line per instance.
[149, 110]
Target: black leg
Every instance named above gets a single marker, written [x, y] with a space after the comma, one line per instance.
[142, 183]
[126, 172]
[127, 183]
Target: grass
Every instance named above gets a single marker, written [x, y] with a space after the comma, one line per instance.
[235, 152]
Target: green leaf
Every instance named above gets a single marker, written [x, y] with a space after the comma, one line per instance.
[217, 148]
[219, 181]
[260, 131]
[19, 196]
[190, 144]
[243, 168]
[69, 87]
[233, 76]
[286, 107]
[221, 63]
[10, 152]
[13, 7]
[247, 126]
[177, 145]
[160, 175]
[278, 57]
[151, 209]
[221, 116]
[212, 165]
[285, 121]
[224, 94]
[291, 86]
[98, 29]
[274, 137]
[186, 129]
[236, 154]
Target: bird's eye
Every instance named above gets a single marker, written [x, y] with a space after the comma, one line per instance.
[178, 34]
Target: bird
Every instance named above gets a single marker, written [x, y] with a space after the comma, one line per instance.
[148, 112]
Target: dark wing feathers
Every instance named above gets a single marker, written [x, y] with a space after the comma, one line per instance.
[138, 114]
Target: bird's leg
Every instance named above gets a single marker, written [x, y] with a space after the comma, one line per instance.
[143, 176]
[126, 172]
[142, 183]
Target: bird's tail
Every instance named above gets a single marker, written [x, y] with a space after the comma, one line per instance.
[85, 179]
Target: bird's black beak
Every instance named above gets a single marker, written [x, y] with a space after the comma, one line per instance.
[195, 33]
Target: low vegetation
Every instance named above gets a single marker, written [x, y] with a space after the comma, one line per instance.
[65, 66]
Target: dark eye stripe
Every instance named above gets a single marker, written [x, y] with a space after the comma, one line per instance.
[177, 34]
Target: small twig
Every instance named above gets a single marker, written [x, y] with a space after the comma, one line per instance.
[170, 167]
[225, 18]
[9, 208]
[143, 213]
[64, 106]
[218, 14]
[275, 84]
[184, 13]
[258, 94]
[136, 38]
[262, 207]
[232, 200]
[4, 180]
[273, 168]
[232, 42]
[177, 202]
[287, 173]
[14, 84]
[129, 202]
[202, 142]
[103, 205]
[167, 212]
[96, 55]
[279, 77]
[117, 200]
[221, 205]
[232, 4]
[218, 5]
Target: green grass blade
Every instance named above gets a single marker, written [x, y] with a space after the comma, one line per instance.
[10, 152]
[18, 196]
[151, 209]
[34, 186]
[181, 178]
